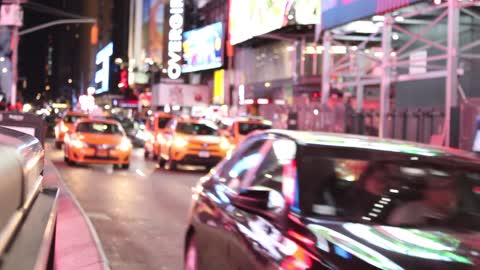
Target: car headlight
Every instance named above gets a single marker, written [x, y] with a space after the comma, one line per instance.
[180, 142]
[225, 144]
[63, 128]
[160, 139]
[77, 143]
[125, 145]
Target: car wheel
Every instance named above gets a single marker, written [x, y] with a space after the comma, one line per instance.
[161, 162]
[171, 165]
[126, 166]
[191, 255]
[58, 145]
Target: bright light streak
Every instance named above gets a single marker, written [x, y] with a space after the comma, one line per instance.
[139, 172]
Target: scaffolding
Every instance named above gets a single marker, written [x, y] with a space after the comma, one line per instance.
[349, 72]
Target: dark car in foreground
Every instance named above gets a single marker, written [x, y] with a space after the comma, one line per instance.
[299, 200]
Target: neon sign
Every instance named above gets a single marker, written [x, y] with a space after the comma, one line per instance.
[175, 23]
[102, 76]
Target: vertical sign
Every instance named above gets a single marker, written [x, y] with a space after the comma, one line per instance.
[102, 76]
[219, 86]
[175, 25]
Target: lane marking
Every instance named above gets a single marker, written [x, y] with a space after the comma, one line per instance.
[99, 216]
[139, 172]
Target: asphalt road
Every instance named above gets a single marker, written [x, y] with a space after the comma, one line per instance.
[140, 214]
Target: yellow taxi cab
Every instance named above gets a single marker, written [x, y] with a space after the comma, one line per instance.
[64, 125]
[98, 141]
[192, 141]
[236, 129]
[154, 128]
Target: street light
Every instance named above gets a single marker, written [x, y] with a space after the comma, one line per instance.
[70, 81]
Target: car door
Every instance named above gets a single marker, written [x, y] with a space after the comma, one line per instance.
[213, 212]
[257, 238]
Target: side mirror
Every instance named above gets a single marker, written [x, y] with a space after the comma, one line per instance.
[258, 200]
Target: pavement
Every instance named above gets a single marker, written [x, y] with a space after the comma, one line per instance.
[140, 214]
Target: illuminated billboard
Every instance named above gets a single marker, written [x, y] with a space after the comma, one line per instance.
[250, 18]
[203, 48]
[152, 29]
[102, 76]
[339, 12]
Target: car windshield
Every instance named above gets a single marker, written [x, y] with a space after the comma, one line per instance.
[102, 128]
[162, 121]
[395, 193]
[72, 118]
[196, 129]
[246, 128]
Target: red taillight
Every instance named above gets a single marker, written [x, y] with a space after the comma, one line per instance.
[301, 238]
[299, 260]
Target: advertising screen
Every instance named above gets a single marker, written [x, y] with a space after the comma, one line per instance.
[203, 48]
[339, 12]
[152, 29]
[250, 18]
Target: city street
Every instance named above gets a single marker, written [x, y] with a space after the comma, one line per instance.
[139, 214]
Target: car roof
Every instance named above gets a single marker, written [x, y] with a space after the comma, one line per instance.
[73, 113]
[372, 143]
[162, 114]
[97, 120]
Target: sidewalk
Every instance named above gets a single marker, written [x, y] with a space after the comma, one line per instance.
[77, 246]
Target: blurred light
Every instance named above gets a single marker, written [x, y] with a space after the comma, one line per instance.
[241, 94]
[437, 2]
[279, 102]
[310, 50]
[47, 87]
[268, 84]
[395, 36]
[180, 142]
[248, 101]
[378, 18]
[354, 48]
[176, 107]
[167, 108]
[91, 90]
[399, 19]
[393, 54]
[27, 107]
[107, 107]
[394, 190]
[262, 101]
[4, 70]
[2, 59]
[149, 112]
[118, 61]
[290, 49]
[38, 96]
[121, 85]
[365, 27]
[378, 54]
[290, 17]
[315, 112]
[164, 70]
[70, 80]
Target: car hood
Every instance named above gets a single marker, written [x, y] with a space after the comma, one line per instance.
[394, 248]
[109, 139]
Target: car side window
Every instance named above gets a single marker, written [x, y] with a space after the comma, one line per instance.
[269, 173]
[234, 170]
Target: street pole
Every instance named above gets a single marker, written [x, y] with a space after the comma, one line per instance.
[326, 68]
[386, 75]
[15, 40]
[451, 95]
